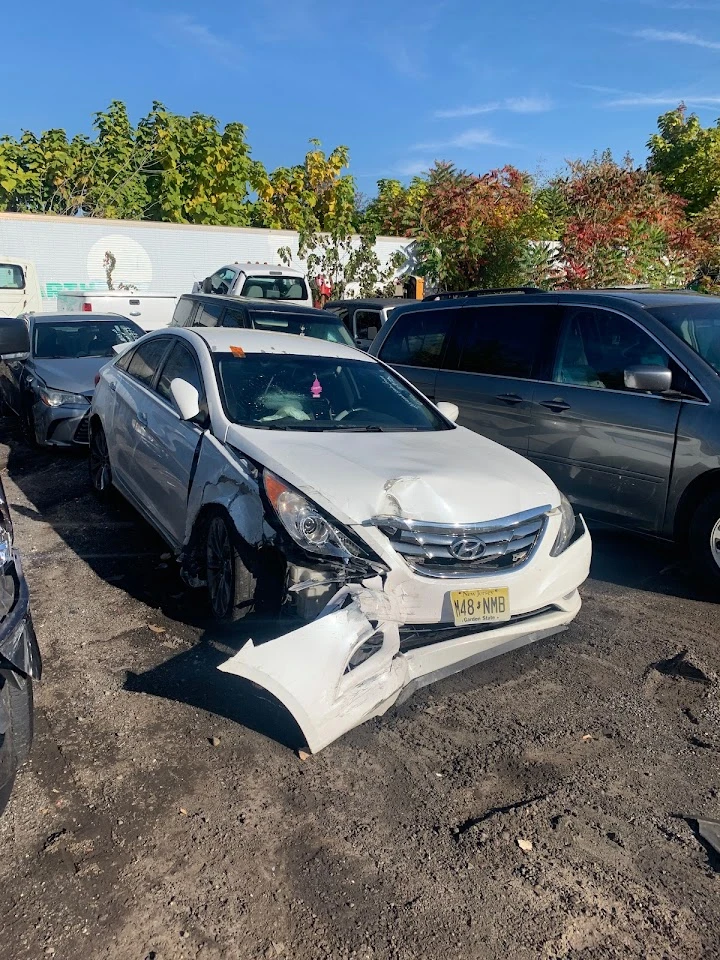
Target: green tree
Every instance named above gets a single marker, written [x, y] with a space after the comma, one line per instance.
[395, 211]
[686, 157]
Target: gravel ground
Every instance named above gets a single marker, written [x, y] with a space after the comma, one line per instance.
[164, 814]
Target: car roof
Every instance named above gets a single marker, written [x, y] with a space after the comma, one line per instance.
[274, 267]
[648, 298]
[76, 317]
[368, 302]
[221, 339]
[274, 306]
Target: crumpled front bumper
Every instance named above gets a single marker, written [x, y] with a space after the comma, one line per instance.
[377, 642]
[62, 426]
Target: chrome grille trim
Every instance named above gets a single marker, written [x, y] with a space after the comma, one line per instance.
[425, 547]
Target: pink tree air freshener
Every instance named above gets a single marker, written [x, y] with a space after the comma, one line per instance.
[316, 388]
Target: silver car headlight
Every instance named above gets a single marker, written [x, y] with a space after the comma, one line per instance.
[306, 523]
[56, 398]
[567, 527]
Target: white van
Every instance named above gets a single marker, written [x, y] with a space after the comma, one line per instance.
[149, 310]
[19, 288]
[258, 281]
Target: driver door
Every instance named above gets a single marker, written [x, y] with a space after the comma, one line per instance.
[609, 449]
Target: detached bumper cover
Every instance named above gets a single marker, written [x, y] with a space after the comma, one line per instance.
[350, 664]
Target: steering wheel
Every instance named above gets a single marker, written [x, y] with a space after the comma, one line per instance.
[347, 414]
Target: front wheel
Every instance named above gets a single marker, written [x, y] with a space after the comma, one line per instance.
[704, 540]
[230, 584]
[99, 462]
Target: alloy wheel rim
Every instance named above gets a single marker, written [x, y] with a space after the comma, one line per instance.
[219, 566]
[99, 461]
[715, 543]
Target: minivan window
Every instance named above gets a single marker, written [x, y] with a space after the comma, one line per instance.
[597, 346]
[502, 341]
[698, 324]
[417, 338]
[183, 311]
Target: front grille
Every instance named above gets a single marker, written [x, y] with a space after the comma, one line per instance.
[432, 548]
[82, 434]
[414, 635]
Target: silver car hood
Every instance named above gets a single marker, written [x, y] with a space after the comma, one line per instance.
[76, 375]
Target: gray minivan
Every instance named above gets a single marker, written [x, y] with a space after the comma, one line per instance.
[614, 394]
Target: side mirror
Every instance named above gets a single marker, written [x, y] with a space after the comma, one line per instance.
[186, 397]
[650, 378]
[14, 338]
[450, 411]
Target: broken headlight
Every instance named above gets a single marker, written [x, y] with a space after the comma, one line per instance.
[307, 524]
[56, 398]
[567, 527]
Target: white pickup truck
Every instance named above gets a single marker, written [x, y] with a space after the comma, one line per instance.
[149, 310]
[19, 287]
[258, 281]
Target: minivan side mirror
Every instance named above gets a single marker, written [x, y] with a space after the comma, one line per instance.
[186, 397]
[450, 411]
[14, 338]
[650, 378]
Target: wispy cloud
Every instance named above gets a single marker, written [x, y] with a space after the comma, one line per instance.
[676, 36]
[465, 140]
[512, 104]
[413, 168]
[661, 100]
[182, 28]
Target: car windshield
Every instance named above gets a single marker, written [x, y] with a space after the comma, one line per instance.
[290, 392]
[68, 340]
[698, 324]
[310, 326]
[274, 288]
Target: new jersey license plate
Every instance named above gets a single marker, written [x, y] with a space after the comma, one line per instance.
[480, 606]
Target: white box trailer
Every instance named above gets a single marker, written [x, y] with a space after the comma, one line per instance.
[71, 253]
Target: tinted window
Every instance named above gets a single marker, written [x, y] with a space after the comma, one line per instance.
[502, 341]
[282, 391]
[69, 340]
[310, 324]
[181, 363]
[417, 339]
[234, 318]
[123, 361]
[208, 314]
[343, 314]
[364, 320]
[146, 359]
[183, 312]
[597, 346]
[698, 324]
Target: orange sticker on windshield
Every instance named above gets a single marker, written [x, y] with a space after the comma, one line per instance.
[237, 351]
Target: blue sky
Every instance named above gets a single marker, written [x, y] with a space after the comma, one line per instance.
[480, 84]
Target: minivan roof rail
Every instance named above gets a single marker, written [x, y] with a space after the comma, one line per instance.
[457, 294]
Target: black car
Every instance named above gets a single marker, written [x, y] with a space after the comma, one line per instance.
[214, 310]
[615, 394]
[20, 662]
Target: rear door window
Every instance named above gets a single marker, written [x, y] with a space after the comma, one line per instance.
[417, 338]
[504, 341]
[208, 314]
[234, 317]
[146, 359]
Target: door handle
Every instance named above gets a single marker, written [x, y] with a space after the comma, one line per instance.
[510, 397]
[142, 418]
[557, 405]
[113, 386]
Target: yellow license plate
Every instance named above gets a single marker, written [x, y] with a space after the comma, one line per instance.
[480, 606]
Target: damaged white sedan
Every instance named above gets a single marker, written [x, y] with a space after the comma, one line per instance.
[290, 471]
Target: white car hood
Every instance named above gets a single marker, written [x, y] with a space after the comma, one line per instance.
[448, 476]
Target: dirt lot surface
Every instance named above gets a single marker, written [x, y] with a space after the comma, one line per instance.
[132, 833]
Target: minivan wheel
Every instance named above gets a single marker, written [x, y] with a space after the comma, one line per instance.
[704, 539]
[230, 584]
[99, 462]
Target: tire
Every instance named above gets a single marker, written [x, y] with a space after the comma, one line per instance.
[230, 584]
[704, 539]
[99, 463]
[16, 692]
